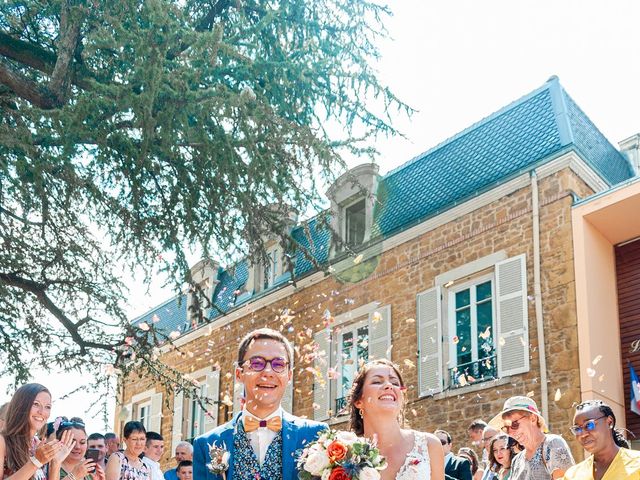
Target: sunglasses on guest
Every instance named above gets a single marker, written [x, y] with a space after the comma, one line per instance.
[514, 425]
[587, 426]
[69, 424]
[258, 364]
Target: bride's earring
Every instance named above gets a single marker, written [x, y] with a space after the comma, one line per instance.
[361, 412]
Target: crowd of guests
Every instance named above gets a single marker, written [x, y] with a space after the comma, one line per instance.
[31, 448]
[514, 445]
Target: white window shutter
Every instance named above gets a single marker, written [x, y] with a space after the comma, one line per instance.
[512, 316]
[380, 333]
[287, 399]
[155, 419]
[238, 394]
[127, 412]
[321, 388]
[213, 397]
[429, 342]
[176, 432]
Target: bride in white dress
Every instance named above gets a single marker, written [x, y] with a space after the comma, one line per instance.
[375, 405]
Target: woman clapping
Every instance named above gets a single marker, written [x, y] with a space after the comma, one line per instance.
[76, 466]
[22, 455]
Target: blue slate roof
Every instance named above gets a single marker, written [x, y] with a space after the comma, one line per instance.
[530, 131]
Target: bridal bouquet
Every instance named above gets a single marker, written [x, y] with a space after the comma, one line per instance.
[340, 456]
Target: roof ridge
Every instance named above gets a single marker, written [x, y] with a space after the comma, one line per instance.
[546, 86]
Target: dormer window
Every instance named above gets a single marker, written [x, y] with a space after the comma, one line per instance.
[269, 271]
[355, 215]
[352, 198]
[204, 278]
[273, 267]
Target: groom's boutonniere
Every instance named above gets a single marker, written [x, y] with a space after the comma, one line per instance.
[219, 460]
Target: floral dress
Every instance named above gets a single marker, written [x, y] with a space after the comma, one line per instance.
[129, 472]
[552, 454]
[417, 465]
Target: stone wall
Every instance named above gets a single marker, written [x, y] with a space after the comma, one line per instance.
[409, 269]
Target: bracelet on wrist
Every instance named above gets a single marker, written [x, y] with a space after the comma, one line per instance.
[35, 461]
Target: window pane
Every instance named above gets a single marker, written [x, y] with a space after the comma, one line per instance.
[363, 344]
[463, 298]
[485, 329]
[483, 291]
[348, 361]
[463, 332]
[355, 223]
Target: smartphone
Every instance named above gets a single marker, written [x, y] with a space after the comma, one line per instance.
[93, 454]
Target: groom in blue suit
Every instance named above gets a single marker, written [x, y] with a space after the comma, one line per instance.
[262, 439]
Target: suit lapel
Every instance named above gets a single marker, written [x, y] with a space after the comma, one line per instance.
[227, 439]
[289, 442]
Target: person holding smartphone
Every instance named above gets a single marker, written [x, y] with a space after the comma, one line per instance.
[76, 466]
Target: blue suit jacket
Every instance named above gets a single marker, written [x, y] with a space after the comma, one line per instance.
[171, 474]
[296, 433]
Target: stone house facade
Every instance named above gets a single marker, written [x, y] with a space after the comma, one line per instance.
[459, 269]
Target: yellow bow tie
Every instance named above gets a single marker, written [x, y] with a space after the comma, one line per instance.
[251, 424]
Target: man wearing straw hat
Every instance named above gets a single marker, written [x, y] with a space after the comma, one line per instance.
[545, 456]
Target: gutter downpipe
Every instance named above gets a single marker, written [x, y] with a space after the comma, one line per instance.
[537, 291]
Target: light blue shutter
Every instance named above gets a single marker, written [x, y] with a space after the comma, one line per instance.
[287, 399]
[212, 393]
[321, 363]
[155, 417]
[176, 431]
[238, 394]
[512, 316]
[380, 333]
[429, 342]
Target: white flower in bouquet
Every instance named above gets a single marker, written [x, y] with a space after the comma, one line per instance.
[316, 462]
[348, 438]
[368, 473]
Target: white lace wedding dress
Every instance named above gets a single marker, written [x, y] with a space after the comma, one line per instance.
[417, 465]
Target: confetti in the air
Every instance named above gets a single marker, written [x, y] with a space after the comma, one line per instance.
[558, 395]
[486, 334]
[358, 259]
[376, 317]
[502, 341]
[144, 326]
[409, 363]
[455, 339]
[596, 360]
[530, 394]
[591, 372]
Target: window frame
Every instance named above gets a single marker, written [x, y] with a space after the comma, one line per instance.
[192, 408]
[451, 315]
[345, 221]
[146, 419]
[336, 342]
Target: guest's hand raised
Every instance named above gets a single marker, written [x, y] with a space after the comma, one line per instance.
[67, 443]
[46, 451]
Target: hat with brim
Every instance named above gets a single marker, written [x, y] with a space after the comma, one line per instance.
[518, 404]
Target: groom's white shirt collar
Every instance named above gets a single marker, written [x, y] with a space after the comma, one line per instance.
[261, 438]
